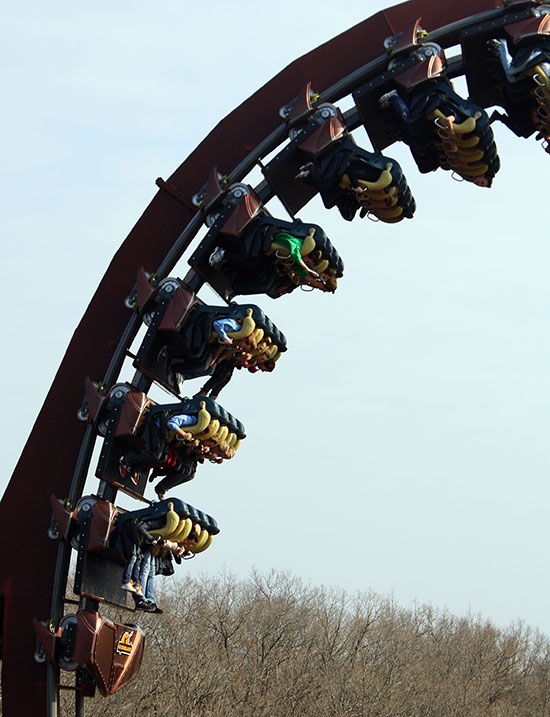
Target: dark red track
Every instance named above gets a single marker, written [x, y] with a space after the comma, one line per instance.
[47, 463]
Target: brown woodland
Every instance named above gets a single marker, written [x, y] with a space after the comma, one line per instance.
[271, 646]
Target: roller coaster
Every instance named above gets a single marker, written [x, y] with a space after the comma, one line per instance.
[395, 68]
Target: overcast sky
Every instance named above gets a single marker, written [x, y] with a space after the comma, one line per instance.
[401, 444]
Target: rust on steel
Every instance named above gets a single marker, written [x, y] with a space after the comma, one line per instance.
[47, 462]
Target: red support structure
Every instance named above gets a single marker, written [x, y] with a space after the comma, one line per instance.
[43, 469]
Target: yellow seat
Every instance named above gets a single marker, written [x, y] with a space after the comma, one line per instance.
[231, 439]
[202, 540]
[473, 170]
[184, 531]
[308, 245]
[470, 155]
[258, 335]
[540, 77]
[176, 531]
[383, 181]
[459, 128]
[172, 522]
[213, 427]
[221, 435]
[246, 329]
[204, 546]
[203, 419]
[390, 213]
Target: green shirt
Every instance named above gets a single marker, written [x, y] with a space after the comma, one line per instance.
[293, 245]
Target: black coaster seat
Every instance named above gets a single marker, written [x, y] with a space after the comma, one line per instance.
[197, 331]
[257, 245]
[156, 514]
[353, 179]
[171, 520]
[187, 348]
[525, 81]
[237, 256]
[138, 437]
[468, 148]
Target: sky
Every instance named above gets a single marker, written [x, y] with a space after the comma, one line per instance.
[401, 444]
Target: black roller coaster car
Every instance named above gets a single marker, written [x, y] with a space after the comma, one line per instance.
[240, 255]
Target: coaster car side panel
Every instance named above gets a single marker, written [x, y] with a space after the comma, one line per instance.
[112, 652]
[177, 309]
[112, 449]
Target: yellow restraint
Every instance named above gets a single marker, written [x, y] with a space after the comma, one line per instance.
[172, 522]
[246, 329]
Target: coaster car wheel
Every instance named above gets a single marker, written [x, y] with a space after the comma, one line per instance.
[118, 391]
[130, 300]
[237, 192]
[65, 660]
[169, 286]
[148, 318]
[102, 427]
[84, 507]
[212, 218]
[324, 112]
[53, 530]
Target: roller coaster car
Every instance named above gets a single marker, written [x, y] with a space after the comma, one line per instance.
[252, 263]
[441, 128]
[171, 519]
[88, 528]
[523, 72]
[351, 178]
[138, 426]
[101, 534]
[110, 652]
[190, 344]
[324, 154]
[315, 134]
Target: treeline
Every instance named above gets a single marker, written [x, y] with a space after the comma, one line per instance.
[271, 646]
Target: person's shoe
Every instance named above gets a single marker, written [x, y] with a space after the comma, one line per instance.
[161, 492]
[385, 100]
[179, 380]
[141, 604]
[175, 381]
[122, 467]
[304, 171]
[137, 590]
[216, 257]
[152, 607]
[162, 355]
[129, 586]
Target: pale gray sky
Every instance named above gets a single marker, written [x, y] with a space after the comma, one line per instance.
[401, 443]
